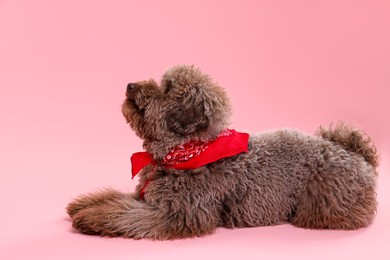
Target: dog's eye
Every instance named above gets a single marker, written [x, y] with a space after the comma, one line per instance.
[142, 111]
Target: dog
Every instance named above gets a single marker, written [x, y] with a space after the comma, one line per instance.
[197, 175]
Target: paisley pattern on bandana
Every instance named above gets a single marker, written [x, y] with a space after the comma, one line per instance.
[189, 150]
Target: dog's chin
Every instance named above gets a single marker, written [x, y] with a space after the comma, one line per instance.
[130, 104]
[131, 110]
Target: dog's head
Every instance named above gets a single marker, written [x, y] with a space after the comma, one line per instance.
[187, 105]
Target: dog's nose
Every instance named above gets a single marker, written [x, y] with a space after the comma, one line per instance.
[130, 86]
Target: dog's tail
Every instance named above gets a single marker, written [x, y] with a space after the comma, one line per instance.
[352, 140]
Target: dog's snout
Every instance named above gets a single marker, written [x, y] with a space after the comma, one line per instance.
[130, 86]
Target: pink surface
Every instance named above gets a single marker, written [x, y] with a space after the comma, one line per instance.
[64, 66]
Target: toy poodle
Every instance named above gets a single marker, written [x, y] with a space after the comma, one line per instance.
[196, 175]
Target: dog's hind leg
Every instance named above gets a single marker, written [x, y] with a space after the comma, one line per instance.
[339, 198]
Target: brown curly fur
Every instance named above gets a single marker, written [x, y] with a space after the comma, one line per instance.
[325, 181]
[352, 140]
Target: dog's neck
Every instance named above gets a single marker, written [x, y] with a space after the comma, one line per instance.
[160, 148]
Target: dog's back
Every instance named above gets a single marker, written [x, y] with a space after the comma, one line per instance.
[309, 181]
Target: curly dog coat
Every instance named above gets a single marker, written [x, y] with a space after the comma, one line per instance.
[326, 181]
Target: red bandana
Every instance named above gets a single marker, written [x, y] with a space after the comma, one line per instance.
[195, 154]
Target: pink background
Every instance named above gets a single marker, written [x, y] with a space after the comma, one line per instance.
[64, 66]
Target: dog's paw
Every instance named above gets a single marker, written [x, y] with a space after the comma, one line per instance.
[102, 220]
[87, 221]
[92, 200]
[75, 206]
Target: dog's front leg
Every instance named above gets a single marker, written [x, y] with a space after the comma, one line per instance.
[93, 200]
[128, 217]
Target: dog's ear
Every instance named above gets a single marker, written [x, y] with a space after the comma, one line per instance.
[190, 113]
